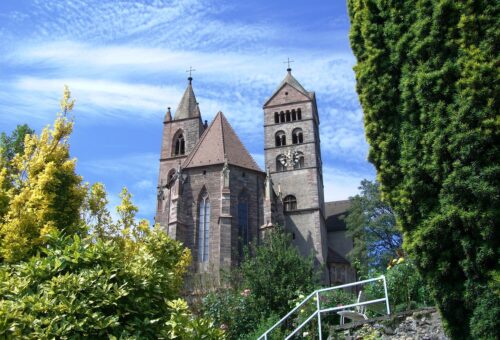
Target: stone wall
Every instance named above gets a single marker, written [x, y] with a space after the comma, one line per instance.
[424, 324]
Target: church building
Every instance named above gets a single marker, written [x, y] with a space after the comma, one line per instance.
[215, 199]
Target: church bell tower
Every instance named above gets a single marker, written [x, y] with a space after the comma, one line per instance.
[180, 135]
[293, 159]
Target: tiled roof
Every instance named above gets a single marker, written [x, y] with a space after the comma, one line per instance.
[335, 213]
[187, 107]
[290, 80]
[218, 141]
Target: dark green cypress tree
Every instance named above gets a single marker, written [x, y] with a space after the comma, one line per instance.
[428, 80]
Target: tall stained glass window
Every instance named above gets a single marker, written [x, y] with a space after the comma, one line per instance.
[204, 227]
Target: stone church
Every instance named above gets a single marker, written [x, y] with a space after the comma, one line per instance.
[214, 197]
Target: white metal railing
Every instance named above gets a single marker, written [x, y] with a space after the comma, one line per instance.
[317, 313]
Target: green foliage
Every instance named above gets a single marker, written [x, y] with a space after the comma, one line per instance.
[46, 194]
[13, 144]
[266, 286]
[427, 78]
[182, 325]
[9, 147]
[262, 327]
[77, 287]
[406, 288]
[96, 215]
[63, 279]
[235, 311]
[328, 299]
[277, 281]
[372, 225]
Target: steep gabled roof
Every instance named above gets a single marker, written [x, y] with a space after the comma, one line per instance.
[217, 142]
[290, 80]
[187, 107]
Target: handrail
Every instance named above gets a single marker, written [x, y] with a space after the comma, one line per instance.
[318, 310]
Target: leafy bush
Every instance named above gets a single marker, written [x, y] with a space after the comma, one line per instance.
[406, 288]
[75, 287]
[263, 326]
[275, 282]
[83, 288]
[234, 311]
[268, 286]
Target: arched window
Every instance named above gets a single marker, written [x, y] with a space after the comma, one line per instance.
[299, 114]
[288, 117]
[298, 161]
[179, 144]
[276, 117]
[243, 232]
[297, 136]
[280, 138]
[290, 203]
[203, 227]
[294, 115]
[279, 163]
[282, 117]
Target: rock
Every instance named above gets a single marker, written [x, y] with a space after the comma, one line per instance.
[423, 324]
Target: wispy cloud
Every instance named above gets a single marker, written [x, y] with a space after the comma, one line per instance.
[124, 62]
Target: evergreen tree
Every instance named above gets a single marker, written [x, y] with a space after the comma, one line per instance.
[46, 194]
[427, 78]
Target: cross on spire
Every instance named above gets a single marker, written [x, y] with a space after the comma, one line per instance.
[288, 62]
[190, 71]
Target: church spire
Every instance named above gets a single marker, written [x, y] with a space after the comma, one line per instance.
[187, 107]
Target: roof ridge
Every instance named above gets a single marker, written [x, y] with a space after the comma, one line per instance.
[222, 130]
[294, 83]
[198, 144]
[243, 145]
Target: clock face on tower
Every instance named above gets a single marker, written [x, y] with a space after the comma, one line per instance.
[289, 158]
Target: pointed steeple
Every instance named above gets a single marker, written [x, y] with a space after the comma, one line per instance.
[290, 80]
[188, 107]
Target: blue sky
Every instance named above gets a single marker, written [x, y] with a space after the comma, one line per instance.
[125, 63]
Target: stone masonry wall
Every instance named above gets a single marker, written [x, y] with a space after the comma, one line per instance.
[423, 324]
